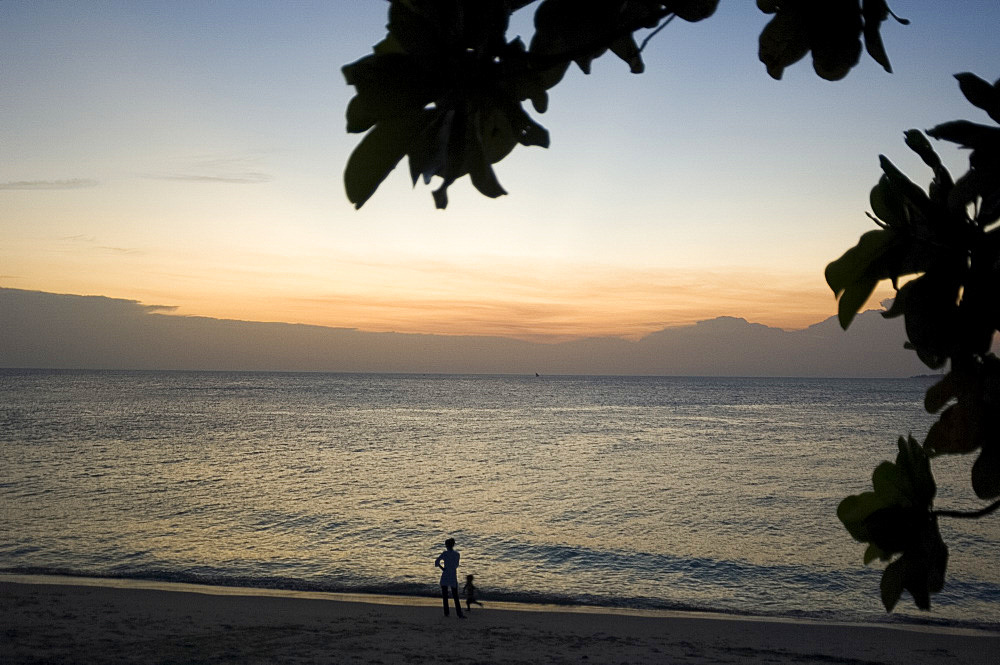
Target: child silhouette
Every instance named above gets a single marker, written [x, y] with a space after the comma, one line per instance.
[470, 593]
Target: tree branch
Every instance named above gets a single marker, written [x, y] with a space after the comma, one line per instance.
[972, 514]
[653, 33]
[546, 60]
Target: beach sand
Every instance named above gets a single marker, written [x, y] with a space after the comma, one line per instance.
[76, 620]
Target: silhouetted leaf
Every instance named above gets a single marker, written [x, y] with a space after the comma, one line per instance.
[966, 190]
[377, 155]
[942, 184]
[931, 299]
[485, 180]
[413, 32]
[498, 137]
[892, 584]
[388, 86]
[887, 205]
[890, 484]
[980, 93]
[896, 518]
[563, 30]
[388, 46]
[919, 571]
[783, 41]
[626, 49]
[852, 278]
[923, 566]
[911, 194]
[457, 158]
[852, 511]
[693, 10]
[914, 460]
[528, 131]
[480, 172]
[853, 298]
[522, 79]
[441, 196]
[903, 493]
[835, 38]
[941, 393]
[428, 151]
[956, 431]
[831, 29]
[936, 558]
[919, 144]
[874, 13]
[967, 134]
[898, 306]
[986, 472]
[892, 529]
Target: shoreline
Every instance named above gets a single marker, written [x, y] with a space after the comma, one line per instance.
[892, 622]
[930, 624]
[80, 619]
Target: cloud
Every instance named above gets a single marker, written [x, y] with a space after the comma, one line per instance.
[69, 183]
[155, 309]
[122, 250]
[87, 239]
[231, 170]
[247, 178]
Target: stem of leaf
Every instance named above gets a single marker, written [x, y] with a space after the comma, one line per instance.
[653, 33]
[970, 514]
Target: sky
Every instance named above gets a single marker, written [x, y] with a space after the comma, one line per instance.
[190, 155]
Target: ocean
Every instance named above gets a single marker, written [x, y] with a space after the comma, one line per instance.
[713, 494]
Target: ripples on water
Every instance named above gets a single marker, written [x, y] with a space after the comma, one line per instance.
[647, 492]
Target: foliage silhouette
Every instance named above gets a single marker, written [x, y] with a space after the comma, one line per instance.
[445, 88]
[947, 241]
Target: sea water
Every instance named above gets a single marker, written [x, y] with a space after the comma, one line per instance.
[646, 492]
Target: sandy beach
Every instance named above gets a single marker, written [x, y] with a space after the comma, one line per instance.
[52, 620]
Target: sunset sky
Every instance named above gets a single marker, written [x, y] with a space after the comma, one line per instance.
[190, 155]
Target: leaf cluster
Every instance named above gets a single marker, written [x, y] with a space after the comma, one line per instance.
[832, 30]
[895, 519]
[946, 241]
[440, 89]
[447, 89]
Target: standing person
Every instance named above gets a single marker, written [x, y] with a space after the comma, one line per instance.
[447, 561]
[470, 590]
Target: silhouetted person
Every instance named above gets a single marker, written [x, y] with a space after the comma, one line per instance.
[470, 593]
[447, 561]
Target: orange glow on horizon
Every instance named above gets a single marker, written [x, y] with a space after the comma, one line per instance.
[578, 303]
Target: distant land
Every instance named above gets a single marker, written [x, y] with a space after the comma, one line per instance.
[47, 330]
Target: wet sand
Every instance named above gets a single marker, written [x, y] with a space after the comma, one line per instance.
[75, 620]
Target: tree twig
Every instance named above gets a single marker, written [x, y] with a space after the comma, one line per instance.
[970, 514]
[653, 33]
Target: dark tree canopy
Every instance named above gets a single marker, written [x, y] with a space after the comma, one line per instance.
[947, 242]
[447, 89]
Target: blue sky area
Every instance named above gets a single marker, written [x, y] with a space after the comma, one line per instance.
[190, 154]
